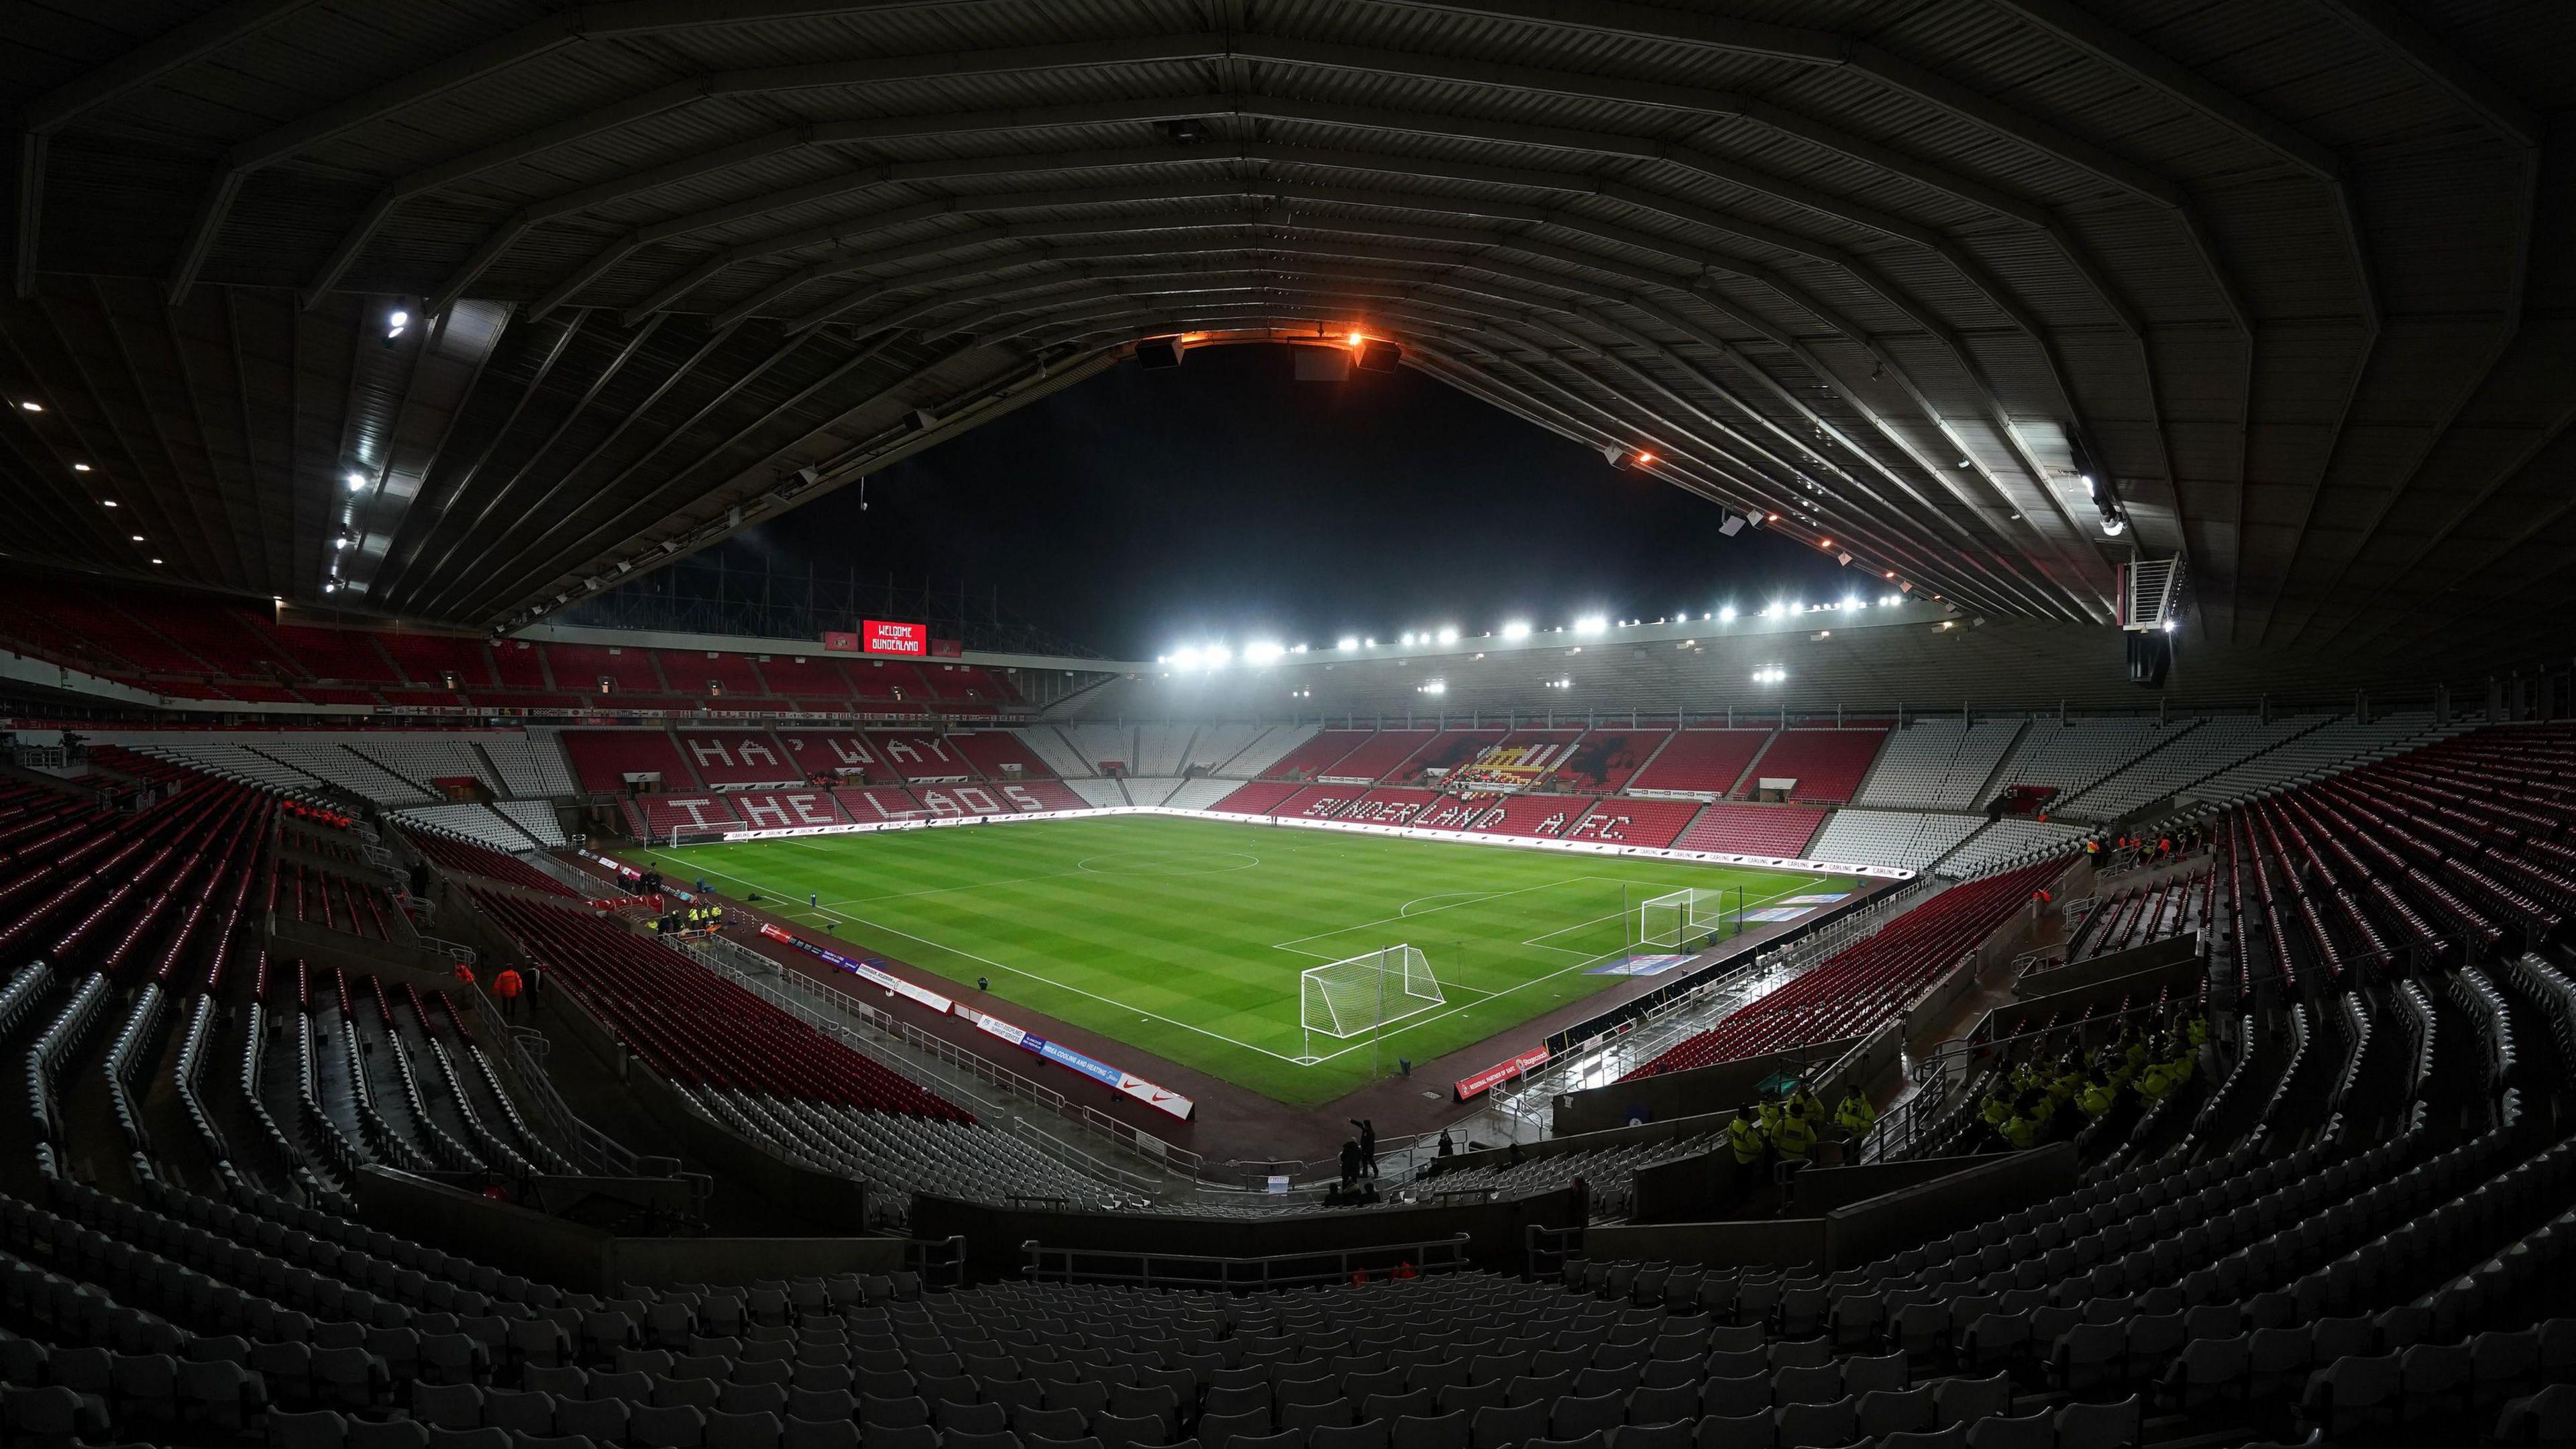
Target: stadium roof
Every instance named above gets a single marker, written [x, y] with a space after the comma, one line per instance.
[2290, 277]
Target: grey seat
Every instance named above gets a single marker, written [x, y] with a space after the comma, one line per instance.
[1734, 1431]
[956, 1418]
[2003, 1431]
[1131, 1431]
[1578, 1417]
[1675, 1435]
[447, 1406]
[1503, 1426]
[1430, 1431]
[1966, 1400]
[393, 1434]
[1953, 1437]
[1882, 1373]
[1817, 1426]
[1215, 1431]
[1806, 1385]
[520, 1411]
[320, 1429]
[1735, 1397]
[800, 1433]
[652, 1426]
[1373, 1434]
[601, 1421]
[2101, 1426]
[1471, 1398]
[1897, 1411]
[961, 1439]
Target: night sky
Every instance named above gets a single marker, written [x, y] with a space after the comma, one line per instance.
[1137, 512]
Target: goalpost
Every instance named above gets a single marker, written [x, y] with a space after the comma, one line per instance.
[1682, 920]
[1348, 998]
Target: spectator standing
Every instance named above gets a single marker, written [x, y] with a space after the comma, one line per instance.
[506, 988]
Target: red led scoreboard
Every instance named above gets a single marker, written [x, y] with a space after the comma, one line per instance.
[882, 636]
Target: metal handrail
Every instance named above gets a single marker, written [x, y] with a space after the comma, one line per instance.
[841, 1008]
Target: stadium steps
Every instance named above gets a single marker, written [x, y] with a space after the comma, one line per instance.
[1655, 754]
[672, 734]
[421, 785]
[1992, 783]
[2075, 800]
[1752, 767]
[491, 768]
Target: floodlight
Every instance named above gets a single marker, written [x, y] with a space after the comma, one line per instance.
[1726, 615]
[1185, 658]
[1216, 656]
[1449, 635]
[1590, 624]
[357, 481]
[1516, 630]
[1262, 652]
[80, 467]
[1348, 642]
[2113, 525]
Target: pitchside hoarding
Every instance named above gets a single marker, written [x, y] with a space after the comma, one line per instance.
[1108, 1076]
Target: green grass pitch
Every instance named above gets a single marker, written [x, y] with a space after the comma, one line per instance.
[1186, 937]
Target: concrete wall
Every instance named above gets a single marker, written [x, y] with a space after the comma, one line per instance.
[1857, 1232]
[2178, 955]
[523, 1240]
[1746, 1243]
[1701, 1091]
[1866, 1231]
[1497, 1231]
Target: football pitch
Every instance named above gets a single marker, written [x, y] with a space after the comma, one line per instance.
[1185, 937]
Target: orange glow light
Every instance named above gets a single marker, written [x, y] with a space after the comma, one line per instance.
[1645, 458]
[1824, 543]
[1357, 339]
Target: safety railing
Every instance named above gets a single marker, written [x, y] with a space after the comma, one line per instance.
[1203, 1270]
[1756, 975]
[853, 1022]
[891, 1040]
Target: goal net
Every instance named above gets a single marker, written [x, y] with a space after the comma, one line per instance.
[1346, 998]
[1682, 920]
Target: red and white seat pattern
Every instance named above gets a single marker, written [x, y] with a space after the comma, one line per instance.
[787, 809]
[817, 754]
[874, 804]
[1321, 802]
[1525, 814]
[1389, 806]
[726, 758]
[1447, 750]
[1624, 820]
[1741, 829]
[922, 757]
[660, 815]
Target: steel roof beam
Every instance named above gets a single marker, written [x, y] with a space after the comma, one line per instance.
[1780, 338]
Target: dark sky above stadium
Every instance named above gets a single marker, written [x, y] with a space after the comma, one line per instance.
[1137, 512]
